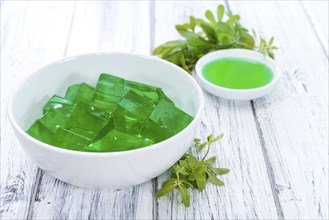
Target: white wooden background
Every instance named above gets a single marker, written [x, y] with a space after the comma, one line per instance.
[275, 146]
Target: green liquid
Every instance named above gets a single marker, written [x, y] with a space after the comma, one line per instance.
[237, 73]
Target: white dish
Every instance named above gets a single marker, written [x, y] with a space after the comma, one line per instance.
[236, 94]
[113, 169]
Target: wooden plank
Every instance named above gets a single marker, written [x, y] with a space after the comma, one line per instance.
[293, 119]
[101, 26]
[247, 194]
[32, 34]
[318, 14]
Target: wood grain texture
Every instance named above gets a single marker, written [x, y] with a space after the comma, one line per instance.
[100, 26]
[247, 194]
[31, 35]
[292, 120]
[318, 15]
[275, 146]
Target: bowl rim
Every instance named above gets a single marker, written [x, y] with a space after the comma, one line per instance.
[152, 147]
[245, 53]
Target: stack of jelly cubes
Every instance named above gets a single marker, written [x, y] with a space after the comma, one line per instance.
[117, 115]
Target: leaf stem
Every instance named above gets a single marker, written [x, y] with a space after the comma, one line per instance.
[208, 150]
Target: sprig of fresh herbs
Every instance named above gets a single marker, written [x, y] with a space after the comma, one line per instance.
[189, 172]
[204, 36]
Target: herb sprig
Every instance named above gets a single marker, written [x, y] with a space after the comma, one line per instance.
[189, 172]
[204, 36]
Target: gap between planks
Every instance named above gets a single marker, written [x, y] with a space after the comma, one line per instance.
[40, 173]
[269, 167]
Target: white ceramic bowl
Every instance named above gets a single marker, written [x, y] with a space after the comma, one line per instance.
[113, 169]
[236, 94]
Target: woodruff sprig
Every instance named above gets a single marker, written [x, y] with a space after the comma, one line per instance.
[189, 172]
[204, 36]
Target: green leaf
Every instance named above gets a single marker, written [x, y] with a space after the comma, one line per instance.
[167, 187]
[200, 177]
[183, 162]
[214, 179]
[184, 195]
[192, 22]
[198, 41]
[201, 184]
[210, 16]
[192, 177]
[209, 138]
[196, 140]
[220, 12]
[254, 33]
[180, 169]
[220, 171]
[174, 43]
[218, 137]
[225, 40]
[271, 41]
[211, 160]
[191, 160]
[232, 19]
[201, 146]
[200, 167]
[247, 41]
[210, 32]
[187, 184]
[224, 28]
[184, 32]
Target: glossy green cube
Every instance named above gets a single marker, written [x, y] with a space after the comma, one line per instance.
[118, 141]
[109, 91]
[108, 78]
[109, 85]
[80, 92]
[53, 119]
[151, 93]
[155, 132]
[131, 113]
[165, 121]
[88, 120]
[40, 132]
[63, 105]
[64, 138]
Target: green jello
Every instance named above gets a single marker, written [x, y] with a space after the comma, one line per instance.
[116, 115]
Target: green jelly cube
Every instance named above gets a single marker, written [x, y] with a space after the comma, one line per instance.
[40, 132]
[106, 101]
[69, 140]
[117, 141]
[107, 78]
[165, 121]
[110, 85]
[151, 93]
[131, 113]
[53, 119]
[79, 92]
[109, 90]
[88, 120]
[65, 106]
[155, 132]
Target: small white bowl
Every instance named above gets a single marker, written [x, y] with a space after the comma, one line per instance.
[112, 169]
[236, 94]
